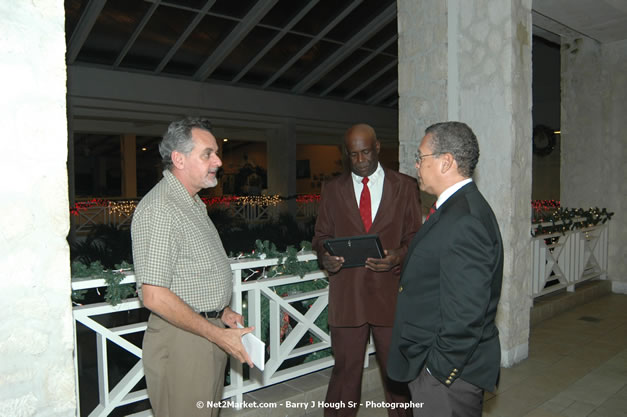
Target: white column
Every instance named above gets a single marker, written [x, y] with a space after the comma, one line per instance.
[471, 61]
[36, 365]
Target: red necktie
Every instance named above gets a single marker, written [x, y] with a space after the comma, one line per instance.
[364, 205]
[431, 211]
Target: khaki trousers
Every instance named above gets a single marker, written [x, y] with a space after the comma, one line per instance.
[183, 371]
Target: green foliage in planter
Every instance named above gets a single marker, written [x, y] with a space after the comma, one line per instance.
[566, 218]
[115, 292]
[104, 244]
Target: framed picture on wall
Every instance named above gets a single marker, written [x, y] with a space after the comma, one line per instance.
[302, 169]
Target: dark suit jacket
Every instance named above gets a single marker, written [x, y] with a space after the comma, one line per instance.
[448, 294]
[358, 295]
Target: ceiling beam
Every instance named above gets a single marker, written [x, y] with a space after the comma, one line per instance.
[188, 30]
[136, 33]
[311, 43]
[259, 10]
[354, 69]
[276, 39]
[371, 79]
[383, 93]
[348, 48]
[84, 26]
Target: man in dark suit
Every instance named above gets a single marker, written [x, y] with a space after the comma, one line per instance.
[445, 341]
[368, 200]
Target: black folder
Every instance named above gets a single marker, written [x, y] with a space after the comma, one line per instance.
[355, 249]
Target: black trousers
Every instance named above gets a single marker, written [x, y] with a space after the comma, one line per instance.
[433, 399]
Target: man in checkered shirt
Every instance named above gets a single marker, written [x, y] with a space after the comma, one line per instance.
[184, 279]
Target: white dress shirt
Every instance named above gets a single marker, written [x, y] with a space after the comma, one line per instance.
[375, 185]
[450, 191]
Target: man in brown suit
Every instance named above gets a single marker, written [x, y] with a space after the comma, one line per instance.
[368, 200]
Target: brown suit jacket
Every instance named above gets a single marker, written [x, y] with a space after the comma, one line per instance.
[358, 295]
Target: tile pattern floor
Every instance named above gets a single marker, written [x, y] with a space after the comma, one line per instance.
[577, 367]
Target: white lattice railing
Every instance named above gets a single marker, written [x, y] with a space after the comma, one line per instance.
[87, 219]
[254, 213]
[563, 260]
[248, 296]
[306, 209]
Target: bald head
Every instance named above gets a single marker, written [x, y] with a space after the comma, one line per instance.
[362, 149]
[361, 130]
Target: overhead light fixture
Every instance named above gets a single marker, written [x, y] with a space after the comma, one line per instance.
[144, 149]
[225, 140]
[557, 132]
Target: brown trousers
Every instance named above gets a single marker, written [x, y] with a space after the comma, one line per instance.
[183, 371]
[349, 350]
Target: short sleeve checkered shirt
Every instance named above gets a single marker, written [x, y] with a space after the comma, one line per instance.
[175, 245]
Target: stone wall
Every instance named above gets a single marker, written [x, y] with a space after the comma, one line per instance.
[495, 99]
[594, 138]
[422, 74]
[37, 367]
[470, 60]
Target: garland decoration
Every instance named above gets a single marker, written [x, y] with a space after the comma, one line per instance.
[115, 292]
[541, 206]
[307, 198]
[288, 264]
[127, 207]
[564, 219]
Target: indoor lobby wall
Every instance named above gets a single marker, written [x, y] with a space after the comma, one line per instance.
[37, 342]
[594, 138]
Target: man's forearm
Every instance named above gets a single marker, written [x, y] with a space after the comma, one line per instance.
[170, 307]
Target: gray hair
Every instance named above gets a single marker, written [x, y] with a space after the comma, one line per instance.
[179, 138]
[459, 140]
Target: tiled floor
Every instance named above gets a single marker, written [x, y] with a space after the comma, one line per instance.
[577, 366]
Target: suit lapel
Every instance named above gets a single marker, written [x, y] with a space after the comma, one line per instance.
[422, 232]
[351, 209]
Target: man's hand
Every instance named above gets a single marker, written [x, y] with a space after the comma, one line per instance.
[230, 341]
[231, 318]
[332, 263]
[392, 258]
[237, 350]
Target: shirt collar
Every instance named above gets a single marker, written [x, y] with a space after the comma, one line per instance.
[450, 191]
[376, 176]
[179, 191]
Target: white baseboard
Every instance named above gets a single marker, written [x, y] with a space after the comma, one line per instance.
[619, 287]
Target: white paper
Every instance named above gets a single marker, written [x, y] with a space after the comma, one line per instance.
[255, 348]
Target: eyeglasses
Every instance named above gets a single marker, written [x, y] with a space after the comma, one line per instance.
[420, 157]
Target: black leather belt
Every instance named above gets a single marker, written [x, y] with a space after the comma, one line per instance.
[212, 314]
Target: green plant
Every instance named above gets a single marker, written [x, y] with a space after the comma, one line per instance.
[115, 292]
[105, 244]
